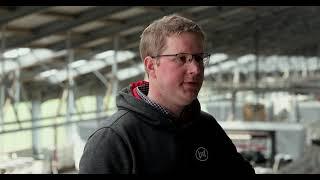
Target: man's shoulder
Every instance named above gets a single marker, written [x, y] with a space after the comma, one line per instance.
[115, 123]
[121, 118]
[206, 116]
[208, 120]
[114, 118]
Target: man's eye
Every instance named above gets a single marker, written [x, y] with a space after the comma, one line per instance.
[183, 58]
[198, 58]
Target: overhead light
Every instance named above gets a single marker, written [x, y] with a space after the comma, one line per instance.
[90, 66]
[14, 53]
[211, 70]
[78, 63]
[126, 73]
[104, 54]
[215, 58]
[246, 58]
[228, 65]
[48, 73]
[240, 136]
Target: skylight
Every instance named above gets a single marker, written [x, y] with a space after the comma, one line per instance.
[48, 73]
[25, 58]
[83, 66]
[104, 54]
[215, 58]
[14, 53]
[211, 70]
[78, 63]
[126, 73]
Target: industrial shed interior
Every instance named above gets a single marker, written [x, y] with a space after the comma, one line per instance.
[61, 67]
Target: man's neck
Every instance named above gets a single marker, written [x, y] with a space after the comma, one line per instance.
[158, 98]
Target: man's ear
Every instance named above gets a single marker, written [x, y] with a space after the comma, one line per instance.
[149, 64]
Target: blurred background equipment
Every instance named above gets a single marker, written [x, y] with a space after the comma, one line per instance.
[254, 112]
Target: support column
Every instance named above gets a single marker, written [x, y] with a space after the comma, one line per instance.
[257, 55]
[271, 112]
[236, 83]
[236, 76]
[100, 106]
[70, 110]
[71, 128]
[305, 70]
[295, 112]
[318, 56]
[2, 85]
[17, 83]
[115, 66]
[233, 105]
[36, 114]
[114, 79]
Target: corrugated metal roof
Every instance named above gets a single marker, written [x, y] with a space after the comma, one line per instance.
[233, 30]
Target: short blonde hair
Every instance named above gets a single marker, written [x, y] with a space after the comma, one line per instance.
[153, 38]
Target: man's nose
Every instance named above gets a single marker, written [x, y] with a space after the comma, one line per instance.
[193, 66]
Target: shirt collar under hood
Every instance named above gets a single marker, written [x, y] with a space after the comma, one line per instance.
[129, 99]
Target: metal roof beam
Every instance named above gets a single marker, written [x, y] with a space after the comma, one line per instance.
[270, 31]
[210, 12]
[20, 12]
[134, 21]
[58, 26]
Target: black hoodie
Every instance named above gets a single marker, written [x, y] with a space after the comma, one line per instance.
[138, 139]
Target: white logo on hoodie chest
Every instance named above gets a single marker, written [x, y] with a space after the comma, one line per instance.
[202, 154]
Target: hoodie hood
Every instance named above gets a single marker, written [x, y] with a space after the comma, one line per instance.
[128, 99]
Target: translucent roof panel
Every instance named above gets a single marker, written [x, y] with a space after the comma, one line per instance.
[83, 66]
[126, 73]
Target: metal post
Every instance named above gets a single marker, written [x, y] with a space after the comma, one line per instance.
[233, 105]
[114, 79]
[256, 74]
[70, 97]
[273, 146]
[271, 112]
[115, 66]
[17, 84]
[16, 87]
[54, 157]
[305, 70]
[318, 55]
[236, 77]
[296, 110]
[100, 106]
[36, 114]
[2, 85]
[236, 83]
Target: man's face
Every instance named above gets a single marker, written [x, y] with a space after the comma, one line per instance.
[176, 83]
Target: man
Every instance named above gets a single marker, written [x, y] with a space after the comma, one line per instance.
[159, 127]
